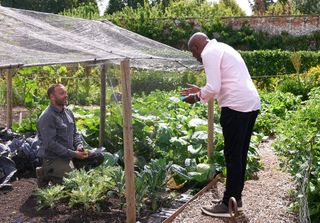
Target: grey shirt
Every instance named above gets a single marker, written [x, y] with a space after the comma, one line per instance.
[58, 134]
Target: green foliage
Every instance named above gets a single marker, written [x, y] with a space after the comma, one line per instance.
[294, 86]
[86, 189]
[298, 144]
[146, 81]
[164, 128]
[301, 84]
[88, 11]
[50, 197]
[246, 38]
[167, 24]
[44, 6]
[277, 62]
[308, 6]
[233, 6]
[154, 176]
[2, 91]
[284, 7]
[89, 188]
[118, 176]
[30, 84]
[114, 6]
[259, 6]
[173, 23]
[274, 107]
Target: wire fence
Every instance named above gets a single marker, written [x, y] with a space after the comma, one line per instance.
[304, 213]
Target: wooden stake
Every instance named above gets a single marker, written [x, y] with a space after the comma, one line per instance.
[128, 141]
[103, 71]
[9, 98]
[210, 129]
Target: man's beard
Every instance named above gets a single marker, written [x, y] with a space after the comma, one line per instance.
[62, 103]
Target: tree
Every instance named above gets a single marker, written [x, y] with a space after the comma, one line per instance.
[114, 6]
[308, 6]
[233, 6]
[134, 3]
[282, 7]
[53, 6]
[259, 7]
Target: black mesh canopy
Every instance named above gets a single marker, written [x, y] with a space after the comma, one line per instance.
[29, 38]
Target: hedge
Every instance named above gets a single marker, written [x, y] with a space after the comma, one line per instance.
[277, 62]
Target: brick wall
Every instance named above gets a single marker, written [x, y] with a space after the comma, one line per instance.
[294, 25]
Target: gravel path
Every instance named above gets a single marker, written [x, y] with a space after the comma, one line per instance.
[265, 200]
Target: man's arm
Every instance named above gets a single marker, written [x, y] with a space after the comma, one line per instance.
[77, 139]
[47, 129]
[212, 62]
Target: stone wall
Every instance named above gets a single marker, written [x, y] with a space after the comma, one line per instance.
[294, 25]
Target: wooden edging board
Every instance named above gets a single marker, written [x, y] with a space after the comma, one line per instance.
[202, 191]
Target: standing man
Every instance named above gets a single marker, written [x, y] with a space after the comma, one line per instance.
[229, 81]
[60, 140]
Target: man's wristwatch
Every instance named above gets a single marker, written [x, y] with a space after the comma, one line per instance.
[196, 98]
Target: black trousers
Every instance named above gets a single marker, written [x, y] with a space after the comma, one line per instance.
[237, 129]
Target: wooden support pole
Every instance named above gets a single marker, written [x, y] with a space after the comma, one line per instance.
[103, 72]
[210, 129]
[9, 98]
[128, 141]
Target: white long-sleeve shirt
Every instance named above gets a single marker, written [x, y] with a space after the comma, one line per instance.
[228, 79]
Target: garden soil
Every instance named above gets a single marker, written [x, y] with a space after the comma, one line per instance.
[266, 200]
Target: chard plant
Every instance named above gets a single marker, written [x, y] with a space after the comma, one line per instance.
[50, 197]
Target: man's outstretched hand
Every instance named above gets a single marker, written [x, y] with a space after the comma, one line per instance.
[190, 94]
[191, 98]
[192, 89]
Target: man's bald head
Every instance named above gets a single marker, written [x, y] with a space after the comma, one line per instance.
[196, 38]
[196, 44]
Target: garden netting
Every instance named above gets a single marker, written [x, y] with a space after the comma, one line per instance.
[29, 38]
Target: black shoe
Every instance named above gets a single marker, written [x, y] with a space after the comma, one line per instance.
[239, 203]
[219, 210]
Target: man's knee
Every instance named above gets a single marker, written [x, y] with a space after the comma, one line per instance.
[55, 170]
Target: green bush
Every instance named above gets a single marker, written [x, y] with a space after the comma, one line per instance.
[176, 21]
[277, 62]
[246, 38]
[298, 143]
[146, 81]
[165, 24]
[294, 86]
[301, 84]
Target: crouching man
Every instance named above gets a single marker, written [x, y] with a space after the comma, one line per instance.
[61, 143]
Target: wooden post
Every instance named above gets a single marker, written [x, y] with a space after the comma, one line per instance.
[210, 129]
[102, 104]
[9, 98]
[128, 141]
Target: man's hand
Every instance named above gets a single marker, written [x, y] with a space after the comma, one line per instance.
[80, 148]
[192, 89]
[81, 155]
[191, 98]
